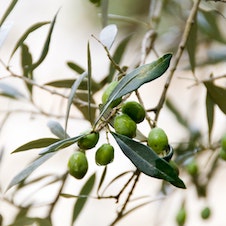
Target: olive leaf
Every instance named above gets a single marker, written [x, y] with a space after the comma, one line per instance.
[81, 201]
[108, 34]
[39, 143]
[133, 80]
[217, 94]
[147, 161]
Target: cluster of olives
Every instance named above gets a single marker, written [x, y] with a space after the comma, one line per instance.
[78, 164]
[222, 153]
[125, 123]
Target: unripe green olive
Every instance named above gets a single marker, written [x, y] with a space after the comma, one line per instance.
[222, 154]
[192, 168]
[205, 213]
[223, 142]
[104, 154]
[134, 110]
[157, 140]
[78, 165]
[108, 92]
[124, 125]
[88, 141]
[181, 216]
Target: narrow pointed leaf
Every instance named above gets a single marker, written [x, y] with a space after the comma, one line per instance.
[45, 49]
[104, 173]
[26, 34]
[137, 78]
[57, 129]
[8, 11]
[4, 30]
[75, 67]
[147, 161]
[30, 169]
[26, 62]
[108, 35]
[10, 92]
[89, 76]
[209, 113]
[39, 143]
[81, 201]
[72, 95]
[217, 94]
[191, 45]
[60, 144]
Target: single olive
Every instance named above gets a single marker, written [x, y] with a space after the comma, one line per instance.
[108, 92]
[205, 213]
[192, 168]
[223, 142]
[88, 141]
[104, 154]
[157, 140]
[124, 125]
[181, 216]
[78, 165]
[222, 154]
[134, 110]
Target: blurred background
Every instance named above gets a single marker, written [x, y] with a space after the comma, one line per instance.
[77, 21]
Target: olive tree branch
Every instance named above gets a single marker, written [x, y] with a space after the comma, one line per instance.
[188, 26]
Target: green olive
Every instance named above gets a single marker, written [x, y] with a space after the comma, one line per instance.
[124, 125]
[157, 140]
[181, 216]
[108, 92]
[88, 141]
[78, 165]
[192, 168]
[222, 154]
[134, 110]
[205, 213]
[223, 142]
[104, 154]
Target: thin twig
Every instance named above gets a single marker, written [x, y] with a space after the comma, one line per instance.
[189, 23]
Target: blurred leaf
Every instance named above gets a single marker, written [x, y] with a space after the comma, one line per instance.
[117, 56]
[45, 49]
[75, 67]
[207, 22]
[39, 143]
[209, 113]
[22, 175]
[25, 35]
[103, 175]
[89, 82]
[10, 92]
[84, 108]
[31, 221]
[104, 12]
[147, 161]
[217, 94]
[60, 144]
[72, 95]
[8, 11]
[4, 30]
[191, 45]
[26, 62]
[57, 129]
[133, 80]
[175, 111]
[108, 35]
[81, 201]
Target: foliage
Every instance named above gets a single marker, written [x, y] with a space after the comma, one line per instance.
[163, 53]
